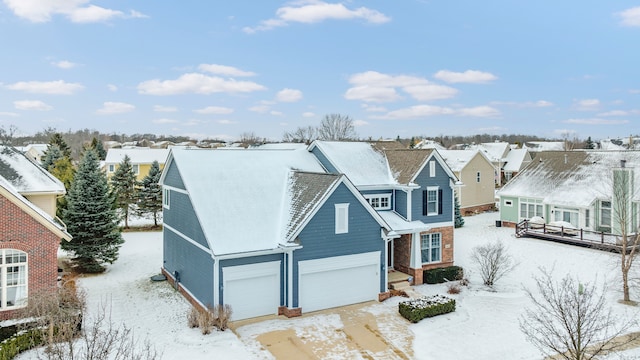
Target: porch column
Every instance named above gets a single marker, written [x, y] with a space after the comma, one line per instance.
[416, 255]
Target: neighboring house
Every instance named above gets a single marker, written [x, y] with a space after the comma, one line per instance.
[475, 170]
[497, 153]
[413, 192]
[516, 160]
[141, 160]
[30, 234]
[537, 146]
[429, 144]
[30, 179]
[269, 232]
[35, 152]
[572, 186]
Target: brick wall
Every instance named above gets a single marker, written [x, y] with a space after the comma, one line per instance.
[20, 231]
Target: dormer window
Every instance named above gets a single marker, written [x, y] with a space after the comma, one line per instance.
[379, 201]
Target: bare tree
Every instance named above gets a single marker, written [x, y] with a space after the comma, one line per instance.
[7, 134]
[250, 138]
[570, 320]
[336, 127]
[622, 218]
[301, 135]
[492, 261]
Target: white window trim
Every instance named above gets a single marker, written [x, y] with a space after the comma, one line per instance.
[432, 168]
[3, 280]
[379, 196]
[433, 188]
[135, 168]
[430, 247]
[342, 218]
[166, 198]
[508, 203]
[112, 168]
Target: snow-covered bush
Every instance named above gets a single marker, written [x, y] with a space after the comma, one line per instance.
[417, 309]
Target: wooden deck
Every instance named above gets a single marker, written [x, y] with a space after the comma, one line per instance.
[579, 237]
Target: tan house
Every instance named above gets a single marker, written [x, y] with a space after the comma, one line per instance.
[141, 160]
[476, 172]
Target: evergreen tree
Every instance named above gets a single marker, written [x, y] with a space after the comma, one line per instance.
[97, 146]
[56, 139]
[412, 143]
[91, 218]
[589, 144]
[459, 220]
[150, 193]
[52, 155]
[123, 184]
[64, 171]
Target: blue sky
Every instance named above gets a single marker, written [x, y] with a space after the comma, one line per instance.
[213, 69]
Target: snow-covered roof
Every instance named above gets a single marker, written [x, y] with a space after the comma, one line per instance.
[571, 178]
[359, 161]
[282, 146]
[249, 208]
[429, 144]
[25, 175]
[137, 155]
[544, 145]
[612, 144]
[400, 225]
[495, 151]
[458, 159]
[46, 218]
[516, 160]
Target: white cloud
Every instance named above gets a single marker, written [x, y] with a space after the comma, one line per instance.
[225, 122]
[111, 107]
[372, 86]
[630, 17]
[58, 87]
[479, 111]
[275, 113]
[289, 95]
[6, 113]
[360, 123]
[587, 104]
[78, 11]
[137, 15]
[615, 113]
[595, 121]
[634, 91]
[418, 111]
[64, 64]
[260, 108]
[430, 92]
[161, 108]
[164, 121]
[197, 84]
[36, 105]
[373, 108]
[214, 110]
[314, 11]
[308, 114]
[224, 70]
[526, 104]
[469, 76]
[112, 87]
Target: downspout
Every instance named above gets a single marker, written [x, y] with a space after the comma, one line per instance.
[216, 280]
[289, 253]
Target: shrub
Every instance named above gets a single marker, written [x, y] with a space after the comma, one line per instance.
[453, 288]
[20, 342]
[192, 318]
[418, 309]
[438, 276]
[218, 317]
[223, 313]
[493, 261]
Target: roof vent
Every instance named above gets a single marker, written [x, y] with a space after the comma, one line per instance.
[566, 157]
[623, 163]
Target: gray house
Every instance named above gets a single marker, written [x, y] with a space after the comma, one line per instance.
[268, 231]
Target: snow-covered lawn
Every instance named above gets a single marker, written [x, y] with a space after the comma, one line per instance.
[484, 325]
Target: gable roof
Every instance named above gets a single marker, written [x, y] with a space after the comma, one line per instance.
[516, 160]
[495, 151]
[25, 175]
[359, 161]
[405, 164]
[137, 155]
[12, 194]
[570, 178]
[458, 159]
[248, 207]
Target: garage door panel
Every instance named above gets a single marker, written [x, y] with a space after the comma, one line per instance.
[345, 280]
[252, 290]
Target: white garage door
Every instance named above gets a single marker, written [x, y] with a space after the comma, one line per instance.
[252, 290]
[338, 281]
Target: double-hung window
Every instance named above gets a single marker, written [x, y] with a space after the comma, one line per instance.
[431, 201]
[431, 247]
[166, 198]
[379, 201]
[605, 214]
[13, 278]
[530, 208]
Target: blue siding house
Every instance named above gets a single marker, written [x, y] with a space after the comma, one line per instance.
[269, 232]
[412, 190]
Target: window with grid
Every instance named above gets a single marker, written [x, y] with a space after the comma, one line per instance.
[431, 247]
[13, 278]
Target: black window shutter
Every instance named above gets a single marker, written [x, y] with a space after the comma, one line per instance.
[439, 201]
[424, 202]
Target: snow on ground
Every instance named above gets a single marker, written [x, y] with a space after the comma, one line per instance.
[484, 325]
